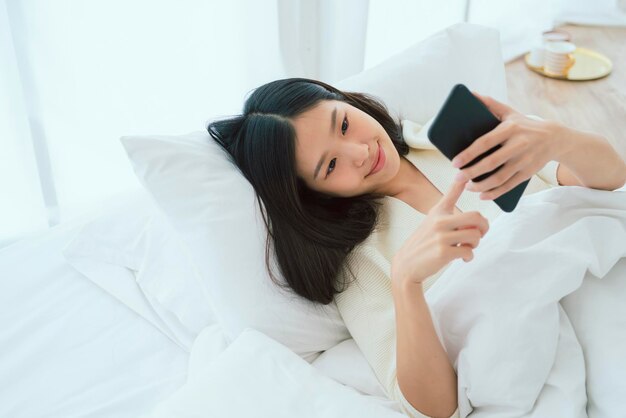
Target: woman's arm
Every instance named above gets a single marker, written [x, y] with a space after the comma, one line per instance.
[425, 374]
[587, 159]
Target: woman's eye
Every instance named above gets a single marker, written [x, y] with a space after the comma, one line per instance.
[331, 166]
[344, 126]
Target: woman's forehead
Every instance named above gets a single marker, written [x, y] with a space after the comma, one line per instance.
[320, 110]
[313, 130]
[319, 121]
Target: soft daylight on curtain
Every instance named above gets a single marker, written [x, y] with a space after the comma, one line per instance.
[76, 75]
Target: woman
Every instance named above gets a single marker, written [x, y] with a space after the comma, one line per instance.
[343, 195]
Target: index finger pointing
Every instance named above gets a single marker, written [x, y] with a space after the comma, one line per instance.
[448, 201]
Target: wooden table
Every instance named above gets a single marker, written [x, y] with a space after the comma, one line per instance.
[598, 105]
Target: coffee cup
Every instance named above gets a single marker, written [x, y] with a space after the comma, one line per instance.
[558, 58]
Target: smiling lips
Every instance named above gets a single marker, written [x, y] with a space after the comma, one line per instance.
[380, 160]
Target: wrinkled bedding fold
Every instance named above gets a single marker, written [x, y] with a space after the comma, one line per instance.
[513, 345]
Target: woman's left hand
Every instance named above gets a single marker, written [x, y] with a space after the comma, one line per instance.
[527, 145]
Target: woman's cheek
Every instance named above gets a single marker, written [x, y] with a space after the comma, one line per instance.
[349, 185]
[357, 184]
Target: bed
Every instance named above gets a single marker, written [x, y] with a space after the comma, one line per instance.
[81, 335]
[126, 312]
[70, 348]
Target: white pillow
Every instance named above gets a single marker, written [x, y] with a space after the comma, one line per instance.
[257, 377]
[131, 251]
[214, 209]
[415, 82]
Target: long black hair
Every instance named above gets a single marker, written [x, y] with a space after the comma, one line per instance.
[312, 233]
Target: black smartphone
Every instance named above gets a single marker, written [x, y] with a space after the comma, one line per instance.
[462, 119]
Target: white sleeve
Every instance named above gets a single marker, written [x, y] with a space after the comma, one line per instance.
[548, 173]
[367, 309]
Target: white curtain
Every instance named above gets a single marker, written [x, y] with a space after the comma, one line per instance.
[397, 24]
[75, 75]
[21, 209]
[323, 39]
[394, 25]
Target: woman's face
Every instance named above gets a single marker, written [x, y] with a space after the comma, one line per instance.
[337, 148]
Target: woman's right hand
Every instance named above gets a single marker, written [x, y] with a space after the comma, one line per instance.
[440, 238]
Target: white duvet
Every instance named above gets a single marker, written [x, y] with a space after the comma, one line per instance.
[537, 321]
[535, 326]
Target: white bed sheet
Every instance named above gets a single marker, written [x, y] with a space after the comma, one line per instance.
[94, 344]
[70, 349]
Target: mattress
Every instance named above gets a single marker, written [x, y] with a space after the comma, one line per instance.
[68, 348]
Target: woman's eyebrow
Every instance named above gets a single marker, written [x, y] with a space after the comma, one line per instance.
[319, 165]
[333, 121]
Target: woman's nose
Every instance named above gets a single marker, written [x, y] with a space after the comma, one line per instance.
[360, 154]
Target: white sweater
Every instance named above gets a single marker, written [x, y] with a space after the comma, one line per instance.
[366, 306]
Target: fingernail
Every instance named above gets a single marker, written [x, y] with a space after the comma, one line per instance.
[469, 185]
[460, 176]
[456, 163]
